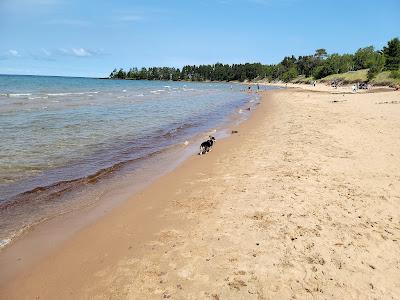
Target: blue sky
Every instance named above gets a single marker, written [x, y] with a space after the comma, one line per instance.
[91, 37]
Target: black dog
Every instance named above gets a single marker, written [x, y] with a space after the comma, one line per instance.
[207, 145]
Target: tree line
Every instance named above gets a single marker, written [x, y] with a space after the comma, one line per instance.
[316, 66]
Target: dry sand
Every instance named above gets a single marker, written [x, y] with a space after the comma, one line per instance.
[302, 203]
[324, 87]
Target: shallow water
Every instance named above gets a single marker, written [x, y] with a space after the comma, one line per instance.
[58, 133]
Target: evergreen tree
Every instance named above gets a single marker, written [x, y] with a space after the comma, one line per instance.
[392, 54]
[321, 54]
[319, 65]
[363, 56]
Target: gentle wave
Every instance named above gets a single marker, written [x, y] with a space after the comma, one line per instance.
[157, 91]
[71, 93]
[19, 95]
[49, 192]
[38, 97]
[44, 96]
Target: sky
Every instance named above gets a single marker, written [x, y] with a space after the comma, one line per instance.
[92, 37]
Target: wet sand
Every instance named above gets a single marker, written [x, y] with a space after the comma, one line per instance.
[302, 202]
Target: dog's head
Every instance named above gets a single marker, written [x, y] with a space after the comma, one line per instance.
[212, 138]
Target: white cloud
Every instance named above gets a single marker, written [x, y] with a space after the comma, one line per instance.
[28, 6]
[10, 3]
[41, 2]
[81, 52]
[67, 22]
[46, 52]
[130, 18]
[51, 55]
[13, 52]
[9, 54]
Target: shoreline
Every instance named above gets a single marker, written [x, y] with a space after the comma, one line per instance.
[65, 224]
[68, 189]
[273, 210]
[38, 235]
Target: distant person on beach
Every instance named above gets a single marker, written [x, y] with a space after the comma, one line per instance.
[354, 88]
[258, 88]
[249, 89]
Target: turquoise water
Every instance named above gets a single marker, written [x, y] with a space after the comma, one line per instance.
[59, 134]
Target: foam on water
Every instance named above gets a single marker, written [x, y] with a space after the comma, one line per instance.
[18, 95]
[4, 242]
[71, 93]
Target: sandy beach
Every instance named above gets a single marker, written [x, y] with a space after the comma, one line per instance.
[301, 203]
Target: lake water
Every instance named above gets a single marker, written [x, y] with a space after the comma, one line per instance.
[57, 133]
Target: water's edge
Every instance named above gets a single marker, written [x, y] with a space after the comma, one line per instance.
[97, 186]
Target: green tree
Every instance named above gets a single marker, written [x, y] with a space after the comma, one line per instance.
[268, 72]
[322, 71]
[392, 54]
[289, 74]
[337, 63]
[121, 74]
[319, 65]
[346, 63]
[363, 56]
[321, 54]
[113, 74]
[376, 63]
[306, 65]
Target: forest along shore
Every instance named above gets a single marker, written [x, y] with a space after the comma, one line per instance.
[302, 201]
[377, 67]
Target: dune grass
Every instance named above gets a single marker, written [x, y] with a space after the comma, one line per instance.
[384, 78]
[349, 77]
[303, 79]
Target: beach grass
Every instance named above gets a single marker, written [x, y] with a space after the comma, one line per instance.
[303, 79]
[381, 79]
[384, 78]
[348, 77]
